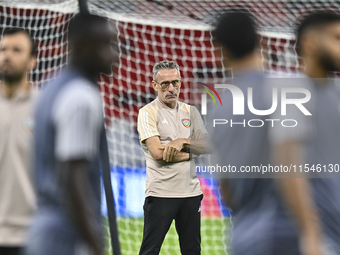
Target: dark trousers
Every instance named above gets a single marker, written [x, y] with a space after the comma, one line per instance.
[10, 250]
[158, 216]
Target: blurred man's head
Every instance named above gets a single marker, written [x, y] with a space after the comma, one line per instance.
[91, 40]
[17, 55]
[318, 40]
[235, 31]
[167, 82]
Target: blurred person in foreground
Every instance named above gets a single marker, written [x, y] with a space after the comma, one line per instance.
[169, 130]
[318, 145]
[69, 127]
[261, 223]
[17, 100]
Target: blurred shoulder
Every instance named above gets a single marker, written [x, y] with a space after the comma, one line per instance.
[186, 107]
[151, 107]
[78, 94]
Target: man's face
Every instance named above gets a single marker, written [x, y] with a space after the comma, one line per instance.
[104, 51]
[15, 57]
[328, 50]
[167, 85]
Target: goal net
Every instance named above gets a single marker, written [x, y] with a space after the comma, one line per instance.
[149, 32]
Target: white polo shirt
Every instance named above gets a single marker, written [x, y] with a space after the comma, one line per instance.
[170, 179]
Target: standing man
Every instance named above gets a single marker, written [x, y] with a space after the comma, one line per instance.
[69, 127]
[261, 224]
[318, 43]
[17, 199]
[169, 131]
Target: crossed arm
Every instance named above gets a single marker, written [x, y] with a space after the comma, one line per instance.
[178, 150]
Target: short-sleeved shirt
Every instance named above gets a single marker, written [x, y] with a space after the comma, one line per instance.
[78, 118]
[17, 197]
[260, 222]
[319, 135]
[69, 123]
[183, 121]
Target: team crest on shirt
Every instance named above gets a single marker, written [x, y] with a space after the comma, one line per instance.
[186, 123]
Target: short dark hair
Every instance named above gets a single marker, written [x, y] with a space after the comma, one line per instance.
[15, 30]
[236, 31]
[165, 64]
[314, 20]
[83, 24]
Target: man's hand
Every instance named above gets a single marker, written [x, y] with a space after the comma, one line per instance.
[157, 151]
[172, 148]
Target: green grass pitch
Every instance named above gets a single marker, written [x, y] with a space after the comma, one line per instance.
[213, 234]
